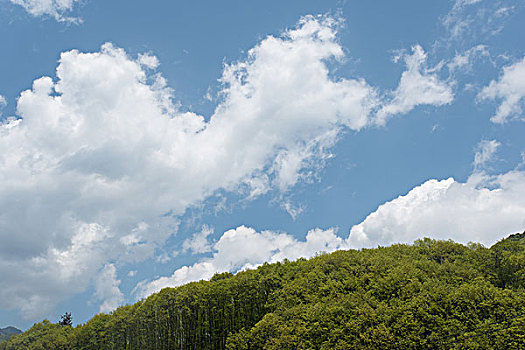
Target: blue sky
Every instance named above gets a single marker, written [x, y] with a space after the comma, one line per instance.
[149, 144]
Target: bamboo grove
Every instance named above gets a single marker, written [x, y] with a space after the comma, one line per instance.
[428, 295]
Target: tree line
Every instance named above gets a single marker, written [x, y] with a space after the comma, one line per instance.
[427, 295]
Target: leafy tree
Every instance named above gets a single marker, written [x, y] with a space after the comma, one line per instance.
[429, 295]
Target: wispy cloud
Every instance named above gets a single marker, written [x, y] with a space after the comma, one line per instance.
[3, 103]
[510, 89]
[199, 242]
[107, 289]
[476, 20]
[485, 153]
[57, 9]
[419, 85]
[464, 60]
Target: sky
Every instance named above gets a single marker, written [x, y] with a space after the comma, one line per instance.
[145, 145]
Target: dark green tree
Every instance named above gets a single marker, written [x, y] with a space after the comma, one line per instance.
[429, 295]
[66, 319]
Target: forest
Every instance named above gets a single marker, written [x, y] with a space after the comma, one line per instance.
[8, 332]
[426, 295]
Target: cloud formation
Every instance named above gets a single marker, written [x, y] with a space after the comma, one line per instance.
[483, 209]
[198, 243]
[510, 89]
[418, 85]
[99, 162]
[107, 289]
[244, 248]
[53, 8]
[464, 60]
[476, 20]
[485, 153]
[3, 103]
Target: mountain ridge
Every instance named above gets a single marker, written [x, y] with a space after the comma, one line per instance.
[9, 331]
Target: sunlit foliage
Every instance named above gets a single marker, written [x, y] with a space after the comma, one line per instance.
[429, 295]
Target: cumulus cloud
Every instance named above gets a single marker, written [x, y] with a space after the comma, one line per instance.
[418, 85]
[53, 8]
[107, 289]
[99, 162]
[148, 61]
[483, 209]
[244, 248]
[510, 89]
[198, 243]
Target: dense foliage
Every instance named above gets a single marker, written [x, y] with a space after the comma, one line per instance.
[8, 332]
[429, 295]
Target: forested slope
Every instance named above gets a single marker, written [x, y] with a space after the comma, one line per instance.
[429, 295]
[8, 332]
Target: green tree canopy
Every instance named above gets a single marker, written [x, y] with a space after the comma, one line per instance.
[428, 295]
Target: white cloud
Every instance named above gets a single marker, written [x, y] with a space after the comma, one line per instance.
[53, 8]
[418, 85]
[293, 210]
[484, 209]
[100, 154]
[198, 243]
[3, 103]
[457, 21]
[485, 153]
[475, 20]
[510, 88]
[107, 289]
[148, 61]
[244, 248]
[466, 2]
[464, 60]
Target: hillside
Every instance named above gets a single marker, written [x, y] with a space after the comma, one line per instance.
[428, 295]
[8, 332]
